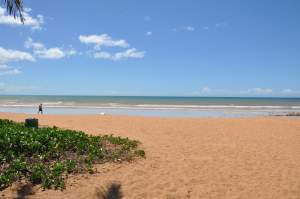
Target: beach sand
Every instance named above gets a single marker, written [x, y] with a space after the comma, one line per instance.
[189, 158]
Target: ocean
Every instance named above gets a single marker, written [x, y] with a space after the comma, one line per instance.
[151, 105]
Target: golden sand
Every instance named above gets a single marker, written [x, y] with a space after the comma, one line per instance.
[224, 158]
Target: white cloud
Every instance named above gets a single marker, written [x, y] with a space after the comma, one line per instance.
[71, 52]
[221, 25]
[34, 22]
[206, 90]
[102, 40]
[41, 51]
[51, 53]
[189, 28]
[35, 45]
[13, 71]
[103, 55]
[258, 91]
[289, 91]
[129, 53]
[205, 28]
[7, 55]
[184, 28]
[105, 40]
[7, 70]
[149, 33]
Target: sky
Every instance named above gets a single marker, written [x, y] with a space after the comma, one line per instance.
[247, 48]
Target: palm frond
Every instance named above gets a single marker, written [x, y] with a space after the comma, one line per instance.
[15, 8]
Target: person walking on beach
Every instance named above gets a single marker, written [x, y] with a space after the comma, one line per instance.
[40, 109]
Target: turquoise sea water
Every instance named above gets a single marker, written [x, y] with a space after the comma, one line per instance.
[151, 106]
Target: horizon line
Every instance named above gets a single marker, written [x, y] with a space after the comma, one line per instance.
[183, 96]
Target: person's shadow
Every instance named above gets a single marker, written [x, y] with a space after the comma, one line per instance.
[24, 191]
[113, 191]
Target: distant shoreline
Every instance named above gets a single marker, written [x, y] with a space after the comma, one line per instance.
[152, 106]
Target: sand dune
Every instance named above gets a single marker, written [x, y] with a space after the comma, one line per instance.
[188, 158]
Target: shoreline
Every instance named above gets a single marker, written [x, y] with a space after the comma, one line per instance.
[176, 113]
[98, 115]
[22, 116]
[172, 106]
[103, 115]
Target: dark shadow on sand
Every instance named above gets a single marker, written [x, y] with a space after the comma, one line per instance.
[113, 191]
[24, 191]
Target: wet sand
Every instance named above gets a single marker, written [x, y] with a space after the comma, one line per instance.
[188, 158]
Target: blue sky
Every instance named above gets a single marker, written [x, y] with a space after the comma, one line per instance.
[138, 47]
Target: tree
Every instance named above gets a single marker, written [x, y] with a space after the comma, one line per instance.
[15, 8]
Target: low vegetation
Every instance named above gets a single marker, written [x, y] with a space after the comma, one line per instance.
[47, 155]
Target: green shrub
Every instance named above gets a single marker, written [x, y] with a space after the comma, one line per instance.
[140, 153]
[47, 155]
